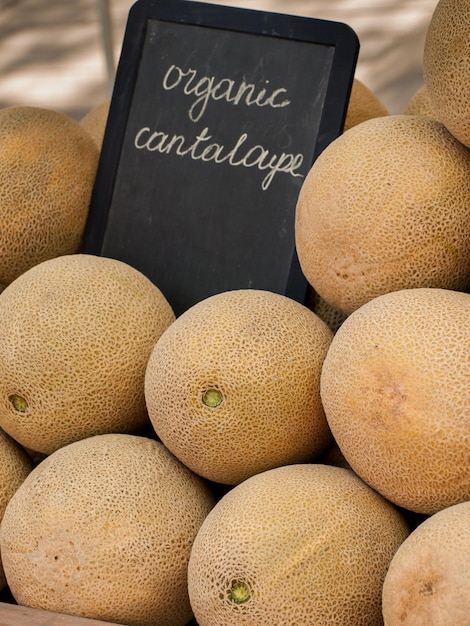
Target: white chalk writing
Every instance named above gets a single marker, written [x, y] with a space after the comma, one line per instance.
[206, 88]
[203, 89]
[202, 149]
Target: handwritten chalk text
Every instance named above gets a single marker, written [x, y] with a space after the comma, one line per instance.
[202, 149]
[206, 88]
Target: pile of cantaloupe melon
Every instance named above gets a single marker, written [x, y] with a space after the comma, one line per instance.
[257, 461]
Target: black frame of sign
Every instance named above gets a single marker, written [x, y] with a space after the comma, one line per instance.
[266, 27]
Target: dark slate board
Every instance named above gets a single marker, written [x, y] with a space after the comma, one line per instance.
[217, 115]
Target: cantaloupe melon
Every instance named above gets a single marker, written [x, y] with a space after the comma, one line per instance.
[428, 581]
[103, 528]
[94, 122]
[420, 104]
[233, 385]
[446, 65]
[47, 170]
[15, 465]
[386, 206]
[363, 105]
[394, 386]
[304, 544]
[332, 317]
[77, 332]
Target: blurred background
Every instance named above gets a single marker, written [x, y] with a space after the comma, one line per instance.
[62, 55]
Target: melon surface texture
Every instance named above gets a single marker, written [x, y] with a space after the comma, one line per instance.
[363, 105]
[394, 386]
[446, 66]
[386, 206]
[15, 465]
[77, 332]
[305, 544]
[103, 528]
[94, 122]
[233, 385]
[47, 170]
[428, 582]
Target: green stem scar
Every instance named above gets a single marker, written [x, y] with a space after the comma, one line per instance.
[212, 397]
[239, 592]
[19, 403]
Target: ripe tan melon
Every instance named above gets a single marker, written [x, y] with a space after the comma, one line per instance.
[428, 582]
[233, 385]
[47, 169]
[386, 206]
[103, 528]
[77, 332]
[15, 465]
[446, 65]
[363, 105]
[304, 544]
[94, 122]
[332, 317]
[332, 455]
[395, 390]
[420, 104]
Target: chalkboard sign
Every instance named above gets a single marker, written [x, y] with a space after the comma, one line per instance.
[217, 115]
